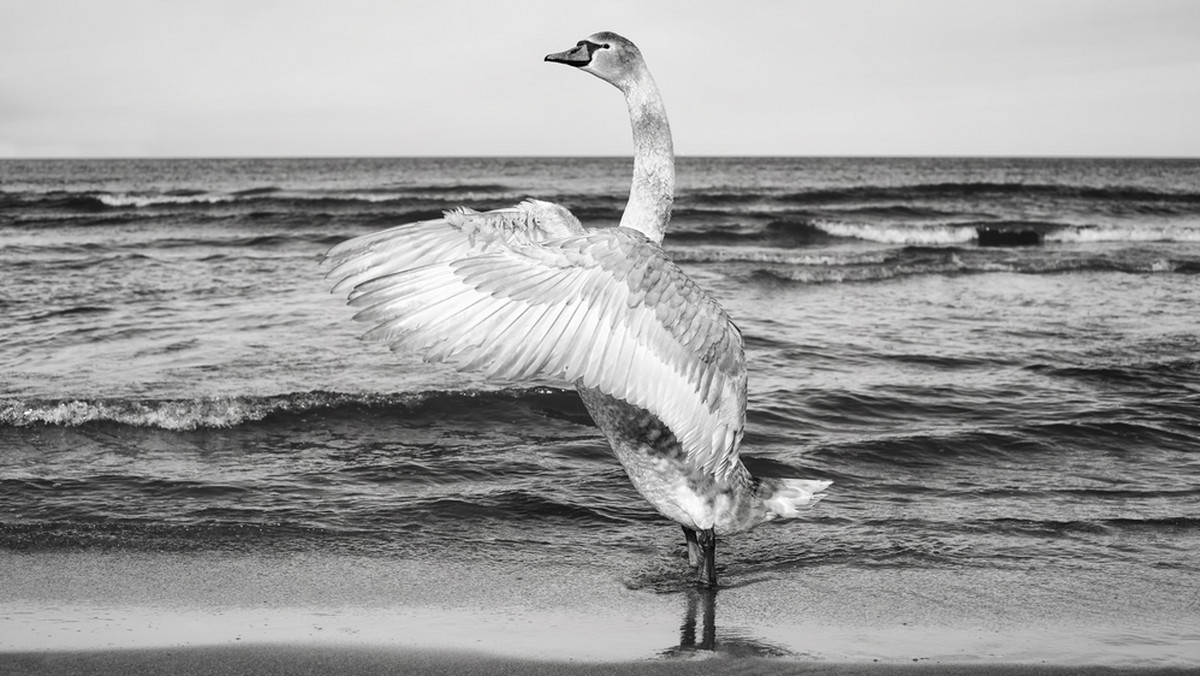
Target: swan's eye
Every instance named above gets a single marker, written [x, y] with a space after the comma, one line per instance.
[606, 45]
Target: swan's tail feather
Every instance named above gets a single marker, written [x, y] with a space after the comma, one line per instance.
[791, 494]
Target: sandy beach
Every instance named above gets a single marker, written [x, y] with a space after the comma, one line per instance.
[121, 613]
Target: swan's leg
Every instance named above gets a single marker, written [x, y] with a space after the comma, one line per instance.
[707, 540]
[692, 546]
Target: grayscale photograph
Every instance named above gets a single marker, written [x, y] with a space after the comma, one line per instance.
[625, 337]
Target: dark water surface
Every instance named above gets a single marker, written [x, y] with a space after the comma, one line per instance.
[996, 361]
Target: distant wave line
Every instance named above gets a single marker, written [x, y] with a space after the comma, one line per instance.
[939, 234]
[944, 190]
[954, 261]
[231, 411]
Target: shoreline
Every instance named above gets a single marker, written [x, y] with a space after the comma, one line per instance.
[75, 609]
[299, 659]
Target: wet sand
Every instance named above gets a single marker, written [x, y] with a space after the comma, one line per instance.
[209, 613]
[300, 660]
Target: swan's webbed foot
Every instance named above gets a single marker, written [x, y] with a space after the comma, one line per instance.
[693, 547]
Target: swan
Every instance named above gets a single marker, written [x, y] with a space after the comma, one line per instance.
[527, 292]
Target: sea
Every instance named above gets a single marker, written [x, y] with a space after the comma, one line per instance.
[996, 361]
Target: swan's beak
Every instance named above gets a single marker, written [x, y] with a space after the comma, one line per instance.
[577, 56]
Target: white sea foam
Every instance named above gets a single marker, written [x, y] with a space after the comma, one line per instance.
[870, 273]
[712, 254]
[1134, 232]
[139, 201]
[169, 415]
[932, 235]
[126, 200]
[894, 233]
[368, 197]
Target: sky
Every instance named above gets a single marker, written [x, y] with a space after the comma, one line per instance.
[220, 78]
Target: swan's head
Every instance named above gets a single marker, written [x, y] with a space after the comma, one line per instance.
[606, 55]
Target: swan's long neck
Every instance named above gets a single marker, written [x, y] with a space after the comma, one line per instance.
[653, 189]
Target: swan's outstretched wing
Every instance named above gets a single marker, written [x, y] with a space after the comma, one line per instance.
[526, 292]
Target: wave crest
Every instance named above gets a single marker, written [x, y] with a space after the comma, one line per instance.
[901, 234]
[716, 254]
[1007, 233]
[225, 412]
[976, 189]
[1136, 232]
[121, 200]
[916, 261]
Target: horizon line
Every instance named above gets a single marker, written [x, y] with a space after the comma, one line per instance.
[53, 158]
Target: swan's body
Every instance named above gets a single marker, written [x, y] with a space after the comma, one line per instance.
[528, 292]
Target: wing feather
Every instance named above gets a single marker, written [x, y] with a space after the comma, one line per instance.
[567, 345]
[526, 292]
[508, 352]
[458, 340]
[482, 352]
[627, 354]
[563, 350]
[529, 357]
[607, 333]
[400, 248]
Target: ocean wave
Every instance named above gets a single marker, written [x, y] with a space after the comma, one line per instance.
[788, 233]
[269, 196]
[128, 200]
[917, 261]
[714, 254]
[1059, 528]
[968, 189]
[1007, 233]
[908, 212]
[901, 234]
[455, 188]
[262, 190]
[92, 201]
[225, 412]
[1132, 232]
[873, 273]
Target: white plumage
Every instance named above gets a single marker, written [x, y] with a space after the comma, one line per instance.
[527, 292]
[498, 293]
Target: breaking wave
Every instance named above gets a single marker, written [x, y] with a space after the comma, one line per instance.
[225, 412]
[1007, 233]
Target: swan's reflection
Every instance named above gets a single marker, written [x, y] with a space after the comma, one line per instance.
[707, 600]
[734, 643]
